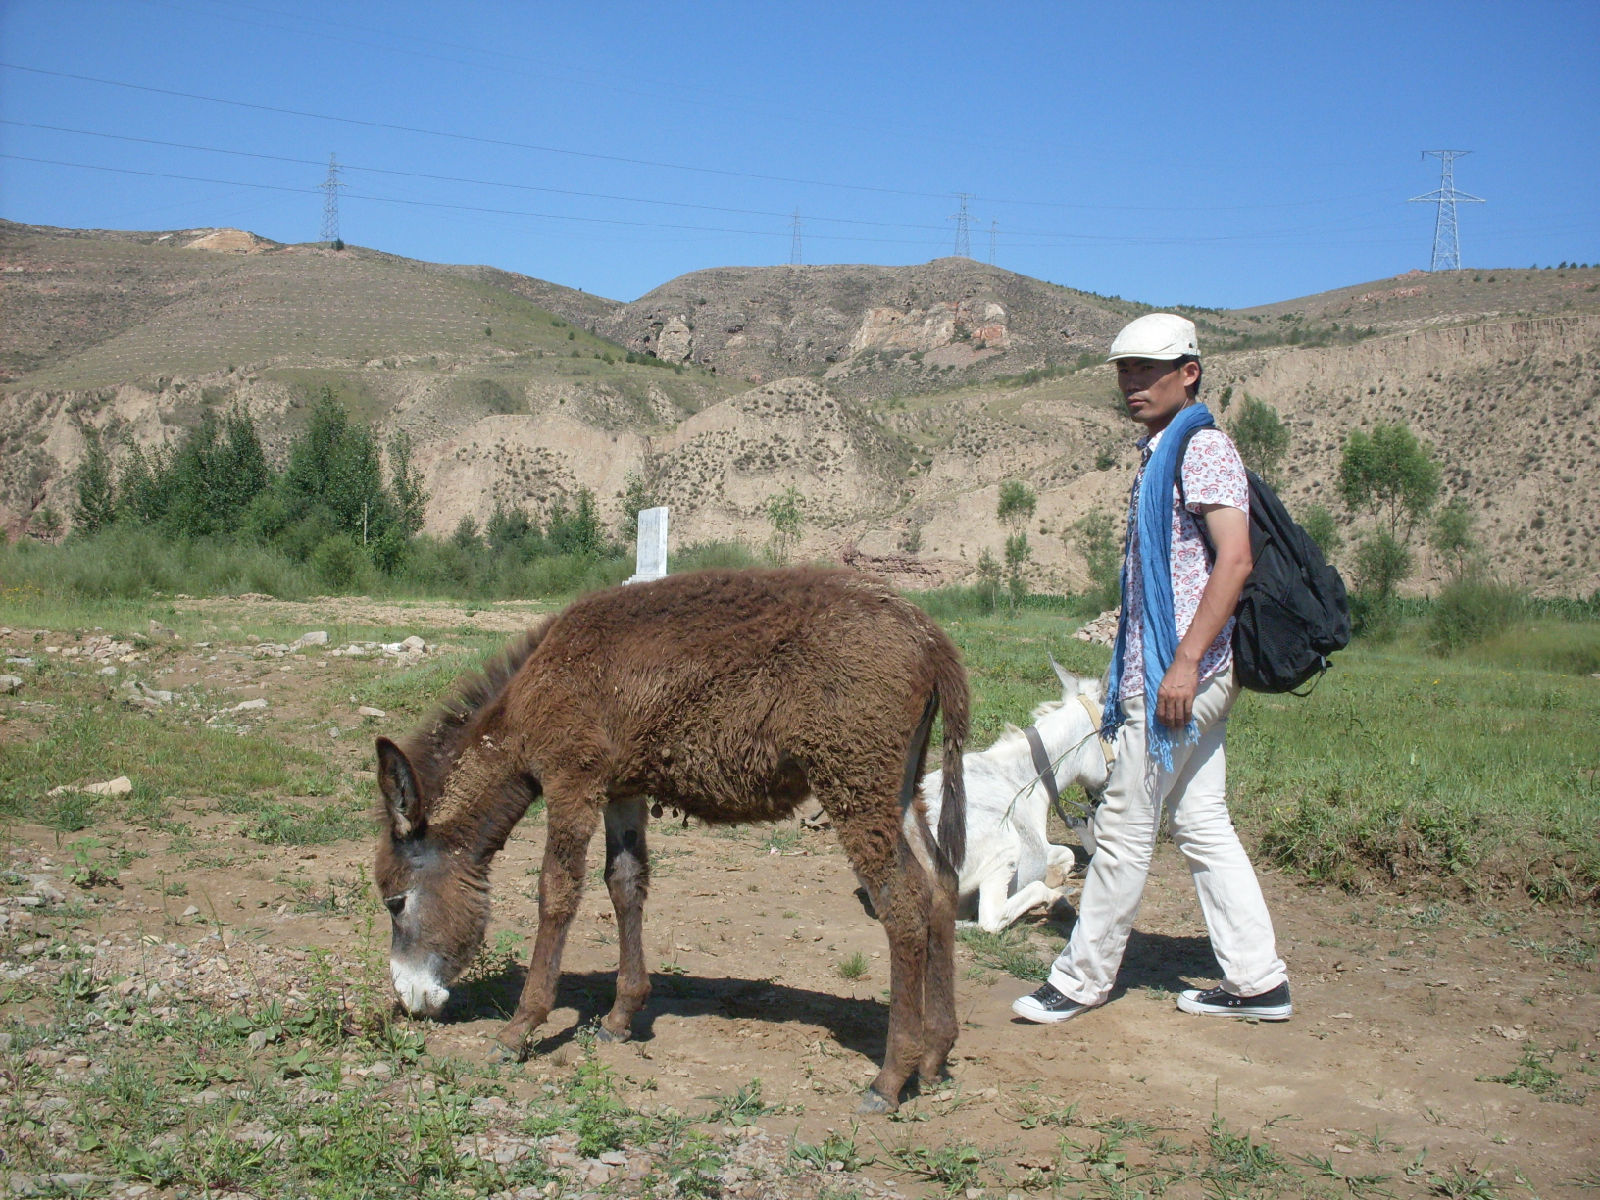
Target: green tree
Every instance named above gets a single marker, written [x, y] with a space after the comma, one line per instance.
[1382, 563]
[45, 524]
[1260, 436]
[1389, 473]
[239, 468]
[141, 500]
[1017, 554]
[333, 476]
[638, 493]
[1455, 536]
[1096, 537]
[1323, 528]
[1015, 508]
[989, 580]
[511, 532]
[93, 493]
[576, 530]
[405, 482]
[785, 514]
[1016, 505]
[465, 536]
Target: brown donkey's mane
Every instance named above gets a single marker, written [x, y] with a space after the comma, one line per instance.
[437, 745]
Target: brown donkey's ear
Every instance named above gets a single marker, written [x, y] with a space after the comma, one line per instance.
[402, 799]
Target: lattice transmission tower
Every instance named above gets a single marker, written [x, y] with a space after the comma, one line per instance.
[1446, 238]
[963, 234]
[330, 202]
[794, 242]
[994, 228]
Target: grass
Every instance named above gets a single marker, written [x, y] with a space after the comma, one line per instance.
[76, 735]
[1403, 771]
[1476, 774]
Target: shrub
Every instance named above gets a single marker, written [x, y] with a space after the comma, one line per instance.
[341, 563]
[1469, 610]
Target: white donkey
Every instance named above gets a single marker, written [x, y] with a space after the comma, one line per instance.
[1008, 802]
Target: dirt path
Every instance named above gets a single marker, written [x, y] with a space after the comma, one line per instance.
[1405, 1012]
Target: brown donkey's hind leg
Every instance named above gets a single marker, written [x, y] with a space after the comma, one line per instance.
[939, 1006]
[899, 888]
[573, 813]
[628, 879]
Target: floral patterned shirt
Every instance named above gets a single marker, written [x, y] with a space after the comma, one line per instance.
[1213, 473]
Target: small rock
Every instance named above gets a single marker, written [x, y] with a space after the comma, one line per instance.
[317, 637]
[10, 684]
[368, 711]
[255, 705]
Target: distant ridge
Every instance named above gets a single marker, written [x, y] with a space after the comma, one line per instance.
[895, 399]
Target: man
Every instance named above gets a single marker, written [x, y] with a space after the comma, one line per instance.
[1169, 692]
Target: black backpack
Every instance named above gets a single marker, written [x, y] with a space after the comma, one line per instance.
[1293, 611]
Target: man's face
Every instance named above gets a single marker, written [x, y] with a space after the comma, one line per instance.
[1154, 389]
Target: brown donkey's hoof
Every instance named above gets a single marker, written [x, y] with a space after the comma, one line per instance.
[602, 1034]
[512, 1048]
[873, 1103]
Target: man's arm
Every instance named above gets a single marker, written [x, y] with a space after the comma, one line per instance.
[1230, 535]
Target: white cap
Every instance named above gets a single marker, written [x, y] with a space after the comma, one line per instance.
[1155, 335]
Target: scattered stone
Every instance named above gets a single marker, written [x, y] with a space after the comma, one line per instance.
[137, 693]
[120, 786]
[1102, 631]
[10, 684]
[318, 637]
[368, 711]
[255, 705]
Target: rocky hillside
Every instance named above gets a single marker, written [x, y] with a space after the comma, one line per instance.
[896, 400]
[868, 331]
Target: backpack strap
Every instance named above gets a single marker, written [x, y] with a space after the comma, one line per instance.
[1183, 499]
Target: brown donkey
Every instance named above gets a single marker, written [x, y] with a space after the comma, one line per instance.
[730, 696]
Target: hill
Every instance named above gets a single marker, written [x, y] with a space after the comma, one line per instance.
[896, 399]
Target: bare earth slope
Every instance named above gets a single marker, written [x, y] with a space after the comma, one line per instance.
[897, 400]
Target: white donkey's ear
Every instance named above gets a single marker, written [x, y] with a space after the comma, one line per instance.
[402, 798]
[1071, 685]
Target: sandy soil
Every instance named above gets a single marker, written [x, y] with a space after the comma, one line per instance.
[1403, 1010]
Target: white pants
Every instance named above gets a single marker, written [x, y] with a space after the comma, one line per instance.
[1194, 792]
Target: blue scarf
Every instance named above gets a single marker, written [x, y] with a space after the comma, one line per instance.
[1153, 511]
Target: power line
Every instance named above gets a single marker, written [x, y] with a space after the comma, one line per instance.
[655, 163]
[468, 137]
[1446, 237]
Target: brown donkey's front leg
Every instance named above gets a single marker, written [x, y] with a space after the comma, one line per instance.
[628, 880]
[570, 824]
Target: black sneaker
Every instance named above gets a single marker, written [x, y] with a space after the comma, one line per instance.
[1268, 1006]
[1047, 1006]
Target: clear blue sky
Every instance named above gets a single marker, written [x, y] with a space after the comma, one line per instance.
[1226, 155]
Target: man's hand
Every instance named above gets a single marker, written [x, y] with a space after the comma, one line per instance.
[1175, 699]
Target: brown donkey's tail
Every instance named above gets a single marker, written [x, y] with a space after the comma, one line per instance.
[950, 690]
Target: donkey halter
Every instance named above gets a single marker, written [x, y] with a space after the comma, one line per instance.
[1045, 769]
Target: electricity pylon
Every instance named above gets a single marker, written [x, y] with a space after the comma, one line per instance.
[1446, 239]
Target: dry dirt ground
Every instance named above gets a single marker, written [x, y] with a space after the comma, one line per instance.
[1404, 1011]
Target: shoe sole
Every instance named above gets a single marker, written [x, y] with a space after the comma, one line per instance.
[1049, 1018]
[1277, 1012]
